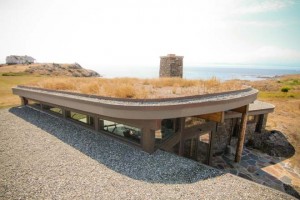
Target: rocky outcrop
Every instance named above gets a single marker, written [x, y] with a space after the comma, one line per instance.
[13, 59]
[273, 143]
[54, 69]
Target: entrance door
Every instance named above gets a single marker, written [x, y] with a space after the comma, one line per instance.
[204, 147]
[198, 147]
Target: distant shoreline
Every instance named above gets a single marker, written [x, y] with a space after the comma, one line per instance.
[222, 73]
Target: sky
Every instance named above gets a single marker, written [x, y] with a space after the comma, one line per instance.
[137, 32]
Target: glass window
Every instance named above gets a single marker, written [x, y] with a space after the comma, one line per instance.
[53, 109]
[81, 118]
[34, 104]
[251, 119]
[168, 128]
[121, 130]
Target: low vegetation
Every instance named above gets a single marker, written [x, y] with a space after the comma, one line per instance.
[137, 88]
[7, 99]
[15, 74]
[278, 88]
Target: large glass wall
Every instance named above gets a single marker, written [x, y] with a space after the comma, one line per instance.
[198, 147]
[121, 130]
[168, 128]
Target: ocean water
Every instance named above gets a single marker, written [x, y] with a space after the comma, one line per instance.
[203, 72]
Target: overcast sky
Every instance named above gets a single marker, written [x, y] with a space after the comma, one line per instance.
[136, 32]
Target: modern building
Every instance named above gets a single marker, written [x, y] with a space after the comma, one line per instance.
[197, 127]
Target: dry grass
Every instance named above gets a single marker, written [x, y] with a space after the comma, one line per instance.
[7, 99]
[13, 68]
[138, 88]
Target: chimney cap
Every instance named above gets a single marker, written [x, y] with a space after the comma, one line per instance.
[171, 56]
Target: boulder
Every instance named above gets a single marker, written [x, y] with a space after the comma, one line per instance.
[273, 143]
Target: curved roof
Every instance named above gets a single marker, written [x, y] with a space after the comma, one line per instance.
[142, 108]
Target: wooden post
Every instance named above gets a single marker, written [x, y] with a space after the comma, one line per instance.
[181, 140]
[65, 113]
[241, 138]
[259, 123]
[24, 101]
[96, 123]
[148, 140]
[211, 144]
[100, 124]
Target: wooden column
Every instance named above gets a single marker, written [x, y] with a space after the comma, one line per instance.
[96, 123]
[65, 113]
[181, 140]
[241, 138]
[100, 124]
[24, 101]
[211, 144]
[259, 123]
[148, 140]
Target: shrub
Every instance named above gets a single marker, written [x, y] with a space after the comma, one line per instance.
[285, 89]
[125, 91]
[14, 74]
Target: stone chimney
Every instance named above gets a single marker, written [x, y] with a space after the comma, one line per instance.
[171, 66]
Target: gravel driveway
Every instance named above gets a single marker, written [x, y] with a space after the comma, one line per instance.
[44, 157]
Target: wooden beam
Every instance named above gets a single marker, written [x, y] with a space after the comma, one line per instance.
[243, 109]
[241, 138]
[216, 117]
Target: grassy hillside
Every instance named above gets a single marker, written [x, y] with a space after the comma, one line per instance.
[7, 99]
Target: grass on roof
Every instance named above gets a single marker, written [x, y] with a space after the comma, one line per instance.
[137, 88]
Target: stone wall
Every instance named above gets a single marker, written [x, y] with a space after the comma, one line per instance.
[171, 66]
[222, 136]
[227, 133]
[224, 139]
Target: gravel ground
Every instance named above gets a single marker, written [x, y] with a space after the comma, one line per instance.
[44, 157]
